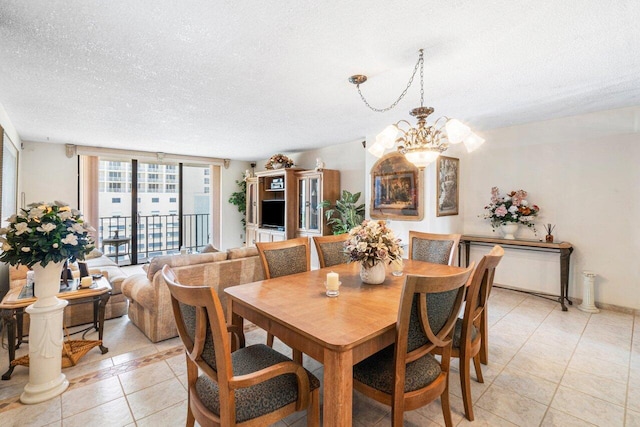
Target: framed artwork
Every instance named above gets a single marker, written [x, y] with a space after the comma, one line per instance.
[448, 183]
[396, 189]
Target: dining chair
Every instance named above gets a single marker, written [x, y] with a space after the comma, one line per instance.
[331, 249]
[435, 248]
[469, 336]
[282, 259]
[406, 375]
[251, 386]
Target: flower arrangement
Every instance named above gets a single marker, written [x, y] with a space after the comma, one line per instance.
[44, 233]
[278, 159]
[371, 242]
[510, 208]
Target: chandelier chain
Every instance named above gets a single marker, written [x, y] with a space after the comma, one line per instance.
[404, 92]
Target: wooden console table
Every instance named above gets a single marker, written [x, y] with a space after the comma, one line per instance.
[563, 248]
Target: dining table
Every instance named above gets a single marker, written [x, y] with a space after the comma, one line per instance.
[336, 331]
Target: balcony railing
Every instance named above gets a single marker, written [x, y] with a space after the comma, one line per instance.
[157, 235]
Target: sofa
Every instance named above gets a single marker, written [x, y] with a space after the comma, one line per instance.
[79, 314]
[149, 298]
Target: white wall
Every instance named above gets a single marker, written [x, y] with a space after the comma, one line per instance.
[583, 173]
[230, 219]
[48, 174]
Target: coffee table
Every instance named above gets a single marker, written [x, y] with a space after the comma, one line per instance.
[13, 305]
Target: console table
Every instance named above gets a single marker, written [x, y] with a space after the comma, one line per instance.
[17, 299]
[563, 248]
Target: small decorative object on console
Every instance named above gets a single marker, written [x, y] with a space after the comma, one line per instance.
[278, 161]
[549, 229]
[508, 208]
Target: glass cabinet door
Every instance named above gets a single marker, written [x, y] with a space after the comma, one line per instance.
[314, 201]
[251, 202]
[303, 203]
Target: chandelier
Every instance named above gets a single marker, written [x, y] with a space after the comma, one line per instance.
[423, 143]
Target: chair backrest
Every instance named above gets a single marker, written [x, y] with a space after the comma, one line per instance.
[478, 290]
[202, 328]
[331, 249]
[435, 248]
[283, 258]
[429, 307]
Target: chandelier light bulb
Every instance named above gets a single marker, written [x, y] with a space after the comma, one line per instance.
[472, 142]
[457, 131]
[388, 136]
[376, 149]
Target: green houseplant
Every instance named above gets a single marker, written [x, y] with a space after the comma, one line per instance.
[346, 214]
[239, 199]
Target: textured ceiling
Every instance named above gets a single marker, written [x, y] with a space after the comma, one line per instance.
[245, 79]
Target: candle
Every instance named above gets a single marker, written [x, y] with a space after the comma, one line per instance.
[332, 281]
[86, 282]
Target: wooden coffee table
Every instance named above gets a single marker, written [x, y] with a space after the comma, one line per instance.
[13, 305]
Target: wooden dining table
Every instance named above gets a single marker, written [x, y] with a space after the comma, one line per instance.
[338, 332]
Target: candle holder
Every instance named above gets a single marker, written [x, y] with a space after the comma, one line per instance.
[333, 290]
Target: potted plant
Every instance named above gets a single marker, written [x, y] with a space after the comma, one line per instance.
[346, 214]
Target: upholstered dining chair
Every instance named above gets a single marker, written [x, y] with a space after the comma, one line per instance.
[331, 249]
[251, 386]
[406, 375]
[468, 335]
[282, 259]
[435, 248]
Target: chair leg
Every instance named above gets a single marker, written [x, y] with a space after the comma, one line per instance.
[270, 339]
[446, 406]
[465, 384]
[484, 336]
[397, 417]
[476, 364]
[190, 418]
[313, 411]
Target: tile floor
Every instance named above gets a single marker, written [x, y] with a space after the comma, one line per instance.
[547, 368]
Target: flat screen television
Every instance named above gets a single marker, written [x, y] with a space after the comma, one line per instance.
[273, 214]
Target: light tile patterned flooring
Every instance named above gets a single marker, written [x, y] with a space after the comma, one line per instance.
[547, 368]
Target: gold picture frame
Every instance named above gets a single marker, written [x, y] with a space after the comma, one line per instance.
[448, 186]
[396, 189]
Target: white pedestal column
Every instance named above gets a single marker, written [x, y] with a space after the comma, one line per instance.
[45, 353]
[588, 296]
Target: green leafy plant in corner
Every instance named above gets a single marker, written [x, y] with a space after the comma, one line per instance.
[346, 214]
[239, 198]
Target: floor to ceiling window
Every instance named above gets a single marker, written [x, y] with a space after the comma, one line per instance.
[147, 209]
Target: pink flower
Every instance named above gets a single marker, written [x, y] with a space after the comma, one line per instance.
[501, 211]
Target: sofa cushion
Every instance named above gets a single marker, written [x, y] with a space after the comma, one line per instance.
[245, 252]
[209, 249]
[181, 260]
[95, 253]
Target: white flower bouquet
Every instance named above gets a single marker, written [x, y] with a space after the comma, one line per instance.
[44, 233]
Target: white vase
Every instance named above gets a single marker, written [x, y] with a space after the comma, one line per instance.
[509, 230]
[278, 165]
[373, 275]
[46, 283]
[46, 380]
